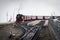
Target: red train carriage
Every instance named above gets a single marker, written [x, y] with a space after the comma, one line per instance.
[47, 17]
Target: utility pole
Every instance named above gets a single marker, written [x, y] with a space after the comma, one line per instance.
[18, 10]
[7, 16]
[13, 16]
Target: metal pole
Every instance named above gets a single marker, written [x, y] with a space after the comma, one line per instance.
[13, 16]
[7, 16]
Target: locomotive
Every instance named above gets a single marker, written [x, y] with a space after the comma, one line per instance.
[19, 17]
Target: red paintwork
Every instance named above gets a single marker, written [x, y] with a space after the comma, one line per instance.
[32, 18]
[46, 18]
[18, 20]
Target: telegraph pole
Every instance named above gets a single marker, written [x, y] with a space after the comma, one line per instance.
[7, 16]
[13, 16]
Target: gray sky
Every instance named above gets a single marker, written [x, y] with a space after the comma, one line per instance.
[28, 7]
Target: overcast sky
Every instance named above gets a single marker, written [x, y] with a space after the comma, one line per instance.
[28, 7]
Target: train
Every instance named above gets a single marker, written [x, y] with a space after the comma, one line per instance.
[21, 17]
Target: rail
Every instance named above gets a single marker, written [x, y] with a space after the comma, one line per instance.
[55, 26]
[31, 33]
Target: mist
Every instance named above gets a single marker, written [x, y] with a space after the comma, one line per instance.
[11, 8]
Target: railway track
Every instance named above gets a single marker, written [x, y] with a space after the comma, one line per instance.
[31, 32]
[54, 29]
[23, 31]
